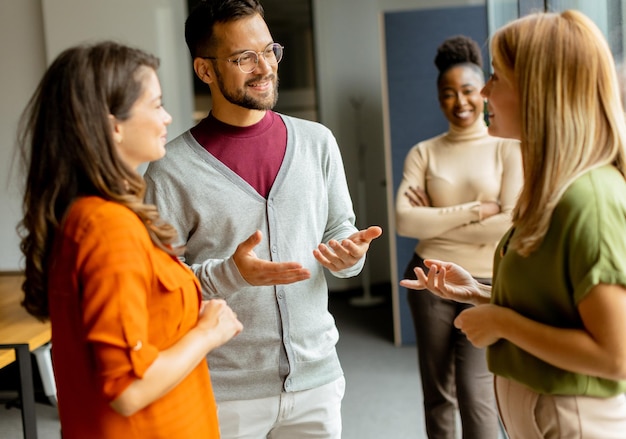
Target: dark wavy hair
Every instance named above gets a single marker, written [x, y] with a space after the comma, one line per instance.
[458, 50]
[203, 17]
[67, 150]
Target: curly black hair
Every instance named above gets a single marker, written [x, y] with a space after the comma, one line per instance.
[456, 50]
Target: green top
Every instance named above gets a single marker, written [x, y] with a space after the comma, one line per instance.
[584, 246]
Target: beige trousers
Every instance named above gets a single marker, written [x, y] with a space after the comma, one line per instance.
[307, 414]
[530, 415]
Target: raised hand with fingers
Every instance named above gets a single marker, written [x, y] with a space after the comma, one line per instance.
[338, 256]
[261, 272]
[449, 281]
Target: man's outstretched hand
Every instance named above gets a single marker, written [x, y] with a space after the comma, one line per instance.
[259, 272]
[338, 256]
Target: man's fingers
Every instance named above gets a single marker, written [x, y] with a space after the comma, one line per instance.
[251, 242]
[371, 233]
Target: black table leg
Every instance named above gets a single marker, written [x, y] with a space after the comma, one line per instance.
[27, 391]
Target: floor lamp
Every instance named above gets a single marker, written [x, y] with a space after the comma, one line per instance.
[366, 299]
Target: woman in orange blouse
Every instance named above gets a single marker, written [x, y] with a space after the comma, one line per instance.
[129, 329]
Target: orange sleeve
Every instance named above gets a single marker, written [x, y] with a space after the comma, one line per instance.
[116, 275]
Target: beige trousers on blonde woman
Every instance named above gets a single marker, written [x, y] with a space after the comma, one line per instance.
[530, 415]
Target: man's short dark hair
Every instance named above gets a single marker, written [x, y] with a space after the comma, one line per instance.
[203, 17]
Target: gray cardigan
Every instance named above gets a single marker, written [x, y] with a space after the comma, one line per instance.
[289, 337]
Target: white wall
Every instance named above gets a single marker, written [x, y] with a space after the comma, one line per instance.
[156, 26]
[33, 32]
[23, 63]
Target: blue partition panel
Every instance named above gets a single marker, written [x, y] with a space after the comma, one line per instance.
[411, 41]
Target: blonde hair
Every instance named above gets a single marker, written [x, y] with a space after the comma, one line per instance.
[571, 114]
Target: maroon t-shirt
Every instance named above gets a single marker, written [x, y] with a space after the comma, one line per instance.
[255, 152]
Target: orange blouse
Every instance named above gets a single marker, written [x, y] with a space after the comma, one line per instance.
[116, 300]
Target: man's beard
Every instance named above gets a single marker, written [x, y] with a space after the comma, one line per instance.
[241, 98]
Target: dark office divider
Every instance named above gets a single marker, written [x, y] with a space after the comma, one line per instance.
[411, 41]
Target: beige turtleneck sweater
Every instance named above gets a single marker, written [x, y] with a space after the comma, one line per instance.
[458, 170]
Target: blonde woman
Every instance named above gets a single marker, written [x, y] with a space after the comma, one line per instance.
[554, 320]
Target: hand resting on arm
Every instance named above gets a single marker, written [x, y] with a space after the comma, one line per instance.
[217, 323]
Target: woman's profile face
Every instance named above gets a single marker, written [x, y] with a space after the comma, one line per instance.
[503, 106]
[459, 96]
[141, 138]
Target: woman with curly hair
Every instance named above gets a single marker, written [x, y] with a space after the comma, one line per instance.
[129, 329]
[456, 196]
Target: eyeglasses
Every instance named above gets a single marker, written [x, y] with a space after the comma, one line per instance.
[248, 60]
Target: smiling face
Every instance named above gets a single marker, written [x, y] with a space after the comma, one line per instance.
[503, 106]
[231, 89]
[459, 95]
[141, 138]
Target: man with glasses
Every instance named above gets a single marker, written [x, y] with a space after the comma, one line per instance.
[262, 205]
